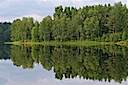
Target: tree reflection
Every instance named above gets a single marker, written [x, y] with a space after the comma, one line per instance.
[96, 63]
[21, 56]
[4, 52]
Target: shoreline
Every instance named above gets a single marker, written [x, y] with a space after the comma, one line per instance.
[55, 43]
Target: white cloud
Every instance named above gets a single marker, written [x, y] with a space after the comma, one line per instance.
[127, 3]
[11, 18]
[11, 9]
[35, 16]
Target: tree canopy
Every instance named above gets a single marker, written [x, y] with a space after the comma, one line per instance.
[5, 31]
[98, 22]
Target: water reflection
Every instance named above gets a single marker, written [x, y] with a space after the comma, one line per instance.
[4, 52]
[95, 63]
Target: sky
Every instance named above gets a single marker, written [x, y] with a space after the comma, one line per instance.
[12, 75]
[13, 9]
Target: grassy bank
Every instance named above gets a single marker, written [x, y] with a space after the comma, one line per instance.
[54, 43]
[123, 43]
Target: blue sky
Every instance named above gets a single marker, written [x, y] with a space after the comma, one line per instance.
[12, 9]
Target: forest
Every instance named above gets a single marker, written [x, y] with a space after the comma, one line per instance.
[107, 23]
[5, 31]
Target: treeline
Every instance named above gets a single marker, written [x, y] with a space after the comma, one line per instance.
[99, 22]
[5, 31]
[95, 63]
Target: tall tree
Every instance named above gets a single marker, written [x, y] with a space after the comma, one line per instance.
[45, 29]
[91, 26]
[35, 32]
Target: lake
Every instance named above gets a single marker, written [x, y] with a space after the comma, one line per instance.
[63, 65]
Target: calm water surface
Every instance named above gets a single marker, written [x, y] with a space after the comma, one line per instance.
[63, 65]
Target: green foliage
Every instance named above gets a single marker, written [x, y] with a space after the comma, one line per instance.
[21, 29]
[91, 26]
[45, 29]
[35, 32]
[5, 31]
[88, 23]
[111, 37]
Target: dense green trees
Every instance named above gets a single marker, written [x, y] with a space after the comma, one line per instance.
[5, 31]
[103, 23]
[35, 32]
[91, 26]
[21, 29]
[45, 29]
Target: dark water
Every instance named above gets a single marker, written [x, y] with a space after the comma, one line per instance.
[63, 65]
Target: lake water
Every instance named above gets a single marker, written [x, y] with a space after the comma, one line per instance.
[63, 65]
